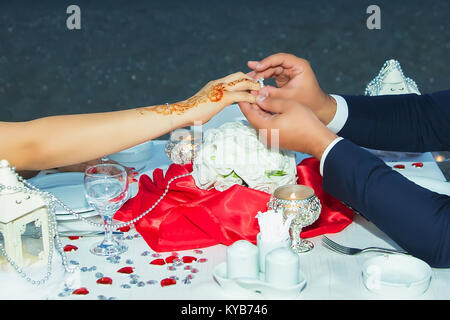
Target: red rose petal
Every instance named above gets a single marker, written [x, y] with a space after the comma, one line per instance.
[104, 280]
[80, 291]
[168, 282]
[171, 258]
[189, 259]
[124, 229]
[418, 164]
[399, 166]
[125, 270]
[74, 237]
[158, 262]
[70, 247]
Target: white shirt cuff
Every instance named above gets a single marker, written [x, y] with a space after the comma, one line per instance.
[327, 150]
[341, 116]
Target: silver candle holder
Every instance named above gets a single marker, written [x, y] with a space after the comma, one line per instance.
[300, 204]
[182, 146]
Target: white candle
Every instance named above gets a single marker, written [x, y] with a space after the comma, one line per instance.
[242, 260]
[282, 267]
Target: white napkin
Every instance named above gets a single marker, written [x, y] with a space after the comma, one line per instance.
[272, 227]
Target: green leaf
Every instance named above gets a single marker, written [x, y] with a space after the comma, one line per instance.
[275, 173]
[232, 173]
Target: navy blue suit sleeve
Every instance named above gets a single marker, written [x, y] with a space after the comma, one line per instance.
[412, 123]
[416, 218]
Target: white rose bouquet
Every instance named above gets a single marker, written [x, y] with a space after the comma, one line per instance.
[233, 154]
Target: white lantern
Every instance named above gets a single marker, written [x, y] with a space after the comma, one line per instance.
[17, 209]
[20, 206]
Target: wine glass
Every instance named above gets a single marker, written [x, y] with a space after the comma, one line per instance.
[106, 187]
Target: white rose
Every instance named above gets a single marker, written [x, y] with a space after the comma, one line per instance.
[233, 154]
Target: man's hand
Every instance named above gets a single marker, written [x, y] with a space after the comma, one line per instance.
[296, 81]
[299, 128]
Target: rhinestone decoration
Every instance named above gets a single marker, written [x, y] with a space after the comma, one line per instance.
[181, 151]
[376, 85]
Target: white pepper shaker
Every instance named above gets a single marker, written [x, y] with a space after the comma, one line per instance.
[242, 260]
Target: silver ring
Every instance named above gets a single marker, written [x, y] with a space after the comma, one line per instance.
[261, 82]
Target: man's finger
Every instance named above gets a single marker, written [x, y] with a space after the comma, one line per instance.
[258, 118]
[273, 105]
[273, 92]
[275, 60]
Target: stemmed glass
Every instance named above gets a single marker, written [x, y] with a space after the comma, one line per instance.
[106, 187]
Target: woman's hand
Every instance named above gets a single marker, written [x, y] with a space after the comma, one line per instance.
[296, 81]
[211, 99]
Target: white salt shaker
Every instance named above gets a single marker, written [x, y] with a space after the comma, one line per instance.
[266, 247]
[282, 268]
[242, 260]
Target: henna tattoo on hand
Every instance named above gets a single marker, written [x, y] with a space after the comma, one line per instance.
[213, 94]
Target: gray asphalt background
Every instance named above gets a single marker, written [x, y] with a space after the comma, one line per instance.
[137, 53]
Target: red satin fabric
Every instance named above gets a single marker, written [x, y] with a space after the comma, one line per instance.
[190, 217]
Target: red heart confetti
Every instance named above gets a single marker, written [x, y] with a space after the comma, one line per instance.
[417, 164]
[168, 282]
[399, 166]
[104, 280]
[189, 259]
[158, 262]
[70, 247]
[80, 291]
[124, 229]
[127, 270]
[202, 260]
[74, 237]
[171, 258]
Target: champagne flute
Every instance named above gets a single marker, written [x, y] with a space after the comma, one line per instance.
[106, 187]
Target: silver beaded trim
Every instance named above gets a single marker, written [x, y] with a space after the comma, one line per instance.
[51, 202]
[375, 86]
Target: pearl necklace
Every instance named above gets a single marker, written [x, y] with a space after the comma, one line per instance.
[51, 202]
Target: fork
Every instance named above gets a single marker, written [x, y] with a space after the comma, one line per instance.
[352, 251]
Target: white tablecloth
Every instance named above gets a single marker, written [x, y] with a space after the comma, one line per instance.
[329, 275]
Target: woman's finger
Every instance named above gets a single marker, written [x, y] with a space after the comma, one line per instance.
[235, 76]
[242, 84]
[240, 96]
